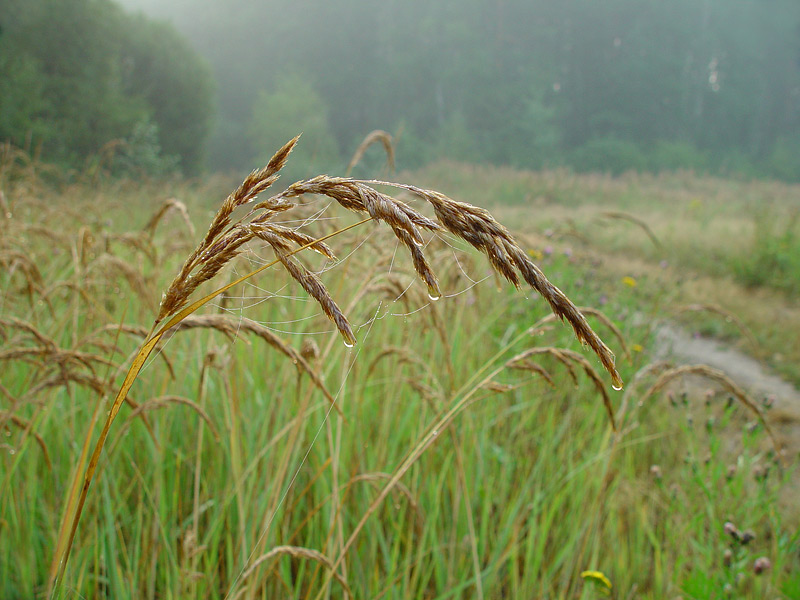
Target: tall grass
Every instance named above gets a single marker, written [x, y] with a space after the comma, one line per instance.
[467, 456]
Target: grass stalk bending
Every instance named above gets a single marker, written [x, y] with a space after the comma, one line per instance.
[226, 238]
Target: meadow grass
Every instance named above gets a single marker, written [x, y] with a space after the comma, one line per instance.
[723, 242]
[230, 475]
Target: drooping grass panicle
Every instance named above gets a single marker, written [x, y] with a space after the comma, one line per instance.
[359, 197]
[477, 227]
[569, 359]
[616, 214]
[378, 135]
[213, 253]
[297, 552]
[310, 282]
[225, 239]
[169, 205]
[599, 315]
[724, 381]
[473, 224]
[292, 235]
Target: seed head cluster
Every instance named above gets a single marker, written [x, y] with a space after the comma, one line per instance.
[225, 240]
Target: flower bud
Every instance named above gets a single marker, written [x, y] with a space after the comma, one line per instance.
[761, 565]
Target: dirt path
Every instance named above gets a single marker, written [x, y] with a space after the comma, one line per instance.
[676, 344]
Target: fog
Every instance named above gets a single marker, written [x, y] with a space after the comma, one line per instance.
[707, 85]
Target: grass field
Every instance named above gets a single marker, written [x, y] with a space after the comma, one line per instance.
[445, 468]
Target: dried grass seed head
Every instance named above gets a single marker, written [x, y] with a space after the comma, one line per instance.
[473, 224]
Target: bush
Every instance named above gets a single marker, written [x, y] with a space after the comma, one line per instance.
[609, 155]
[775, 257]
[784, 162]
[140, 154]
[673, 156]
[736, 163]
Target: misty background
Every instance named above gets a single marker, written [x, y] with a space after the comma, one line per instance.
[212, 85]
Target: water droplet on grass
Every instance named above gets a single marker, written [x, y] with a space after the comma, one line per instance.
[434, 296]
[616, 386]
[349, 344]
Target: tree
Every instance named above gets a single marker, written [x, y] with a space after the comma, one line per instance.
[292, 107]
[77, 74]
[161, 68]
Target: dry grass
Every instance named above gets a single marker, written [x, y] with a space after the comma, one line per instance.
[294, 552]
[373, 137]
[640, 223]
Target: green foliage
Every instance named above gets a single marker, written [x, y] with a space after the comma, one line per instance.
[80, 104]
[141, 154]
[740, 518]
[77, 74]
[163, 69]
[736, 163]
[609, 155]
[22, 101]
[455, 140]
[674, 156]
[784, 162]
[709, 86]
[293, 106]
[526, 83]
[540, 137]
[774, 259]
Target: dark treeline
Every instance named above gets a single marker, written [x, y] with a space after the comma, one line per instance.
[81, 76]
[712, 85]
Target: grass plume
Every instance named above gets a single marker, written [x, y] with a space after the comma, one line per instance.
[225, 239]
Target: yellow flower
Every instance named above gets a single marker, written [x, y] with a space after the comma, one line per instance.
[535, 254]
[637, 347]
[629, 281]
[599, 579]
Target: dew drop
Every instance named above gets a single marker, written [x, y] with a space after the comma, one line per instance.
[349, 344]
[434, 433]
[616, 387]
[12, 451]
[434, 296]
